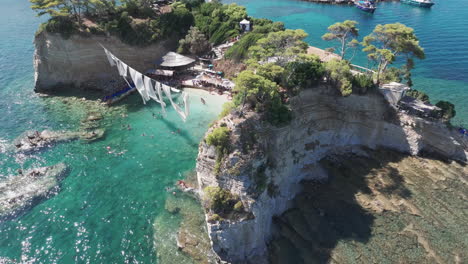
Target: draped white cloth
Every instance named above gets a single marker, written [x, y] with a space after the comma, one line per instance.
[158, 90]
[139, 84]
[122, 67]
[109, 57]
[149, 88]
[167, 91]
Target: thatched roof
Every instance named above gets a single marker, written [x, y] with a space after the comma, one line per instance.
[172, 59]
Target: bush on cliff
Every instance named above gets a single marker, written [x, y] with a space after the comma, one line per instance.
[362, 83]
[447, 110]
[220, 139]
[418, 95]
[338, 73]
[221, 201]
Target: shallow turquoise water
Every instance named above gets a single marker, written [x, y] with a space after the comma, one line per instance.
[107, 204]
[442, 30]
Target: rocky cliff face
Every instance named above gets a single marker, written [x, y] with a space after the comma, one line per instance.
[80, 61]
[266, 164]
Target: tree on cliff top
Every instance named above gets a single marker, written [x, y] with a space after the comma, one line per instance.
[388, 42]
[281, 46]
[194, 42]
[345, 33]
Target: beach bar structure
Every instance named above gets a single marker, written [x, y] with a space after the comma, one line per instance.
[393, 92]
[174, 62]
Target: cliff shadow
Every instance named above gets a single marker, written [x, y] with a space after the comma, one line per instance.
[328, 213]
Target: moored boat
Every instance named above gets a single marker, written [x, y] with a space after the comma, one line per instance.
[365, 6]
[420, 3]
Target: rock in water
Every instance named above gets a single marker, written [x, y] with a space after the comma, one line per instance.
[23, 191]
[34, 141]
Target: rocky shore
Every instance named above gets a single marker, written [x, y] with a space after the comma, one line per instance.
[24, 190]
[266, 164]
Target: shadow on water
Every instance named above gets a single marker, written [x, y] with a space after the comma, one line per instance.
[182, 133]
[326, 213]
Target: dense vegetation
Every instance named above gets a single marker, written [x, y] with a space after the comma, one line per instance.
[137, 22]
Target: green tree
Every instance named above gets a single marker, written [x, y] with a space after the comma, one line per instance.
[447, 110]
[339, 75]
[254, 89]
[305, 71]
[388, 42]
[194, 42]
[271, 72]
[345, 33]
[281, 46]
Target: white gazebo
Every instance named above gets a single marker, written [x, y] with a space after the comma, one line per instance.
[245, 25]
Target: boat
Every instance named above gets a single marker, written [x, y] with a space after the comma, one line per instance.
[420, 3]
[365, 6]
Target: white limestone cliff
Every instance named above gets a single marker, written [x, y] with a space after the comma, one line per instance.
[323, 124]
[80, 62]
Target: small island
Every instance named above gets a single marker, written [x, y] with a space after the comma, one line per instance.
[297, 115]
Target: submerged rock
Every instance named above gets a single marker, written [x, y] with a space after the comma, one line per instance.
[31, 141]
[25, 190]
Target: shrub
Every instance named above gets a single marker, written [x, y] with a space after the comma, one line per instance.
[362, 83]
[220, 138]
[305, 71]
[215, 218]
[447, 109]
[220, 201]
[227, 109]
[418, 95]
[339, 75]
[239, 207]
[63, 25]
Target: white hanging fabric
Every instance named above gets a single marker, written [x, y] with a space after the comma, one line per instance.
[167, 91]
[138, 81]
[158, 90]
[149, 88]
[109, 57]
[122, 67]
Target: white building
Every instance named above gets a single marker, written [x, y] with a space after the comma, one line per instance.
[245, 25]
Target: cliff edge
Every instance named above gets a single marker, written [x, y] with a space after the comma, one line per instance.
[80, 62]
[266, 164]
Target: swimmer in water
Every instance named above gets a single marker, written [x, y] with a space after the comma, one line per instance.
[129, 127]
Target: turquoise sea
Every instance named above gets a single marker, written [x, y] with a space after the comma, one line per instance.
[111, 209]
[442, 31]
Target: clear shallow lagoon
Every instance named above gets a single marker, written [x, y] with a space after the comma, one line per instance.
[442, 30]
[108, 204]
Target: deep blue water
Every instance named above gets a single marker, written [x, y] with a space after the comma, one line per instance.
[442, 31]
